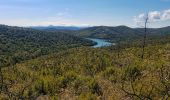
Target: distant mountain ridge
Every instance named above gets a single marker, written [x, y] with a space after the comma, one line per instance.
[100, 29]
[119, 32]
[107, 32]
[55, 28]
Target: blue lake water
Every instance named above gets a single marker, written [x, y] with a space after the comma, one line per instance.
[100, 43]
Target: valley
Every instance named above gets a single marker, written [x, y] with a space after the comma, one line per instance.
[57, 65]
[84, 49]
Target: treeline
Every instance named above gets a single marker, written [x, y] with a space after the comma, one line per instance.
[18, 44]
[159, 39]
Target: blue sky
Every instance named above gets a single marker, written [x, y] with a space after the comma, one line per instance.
[80, 12]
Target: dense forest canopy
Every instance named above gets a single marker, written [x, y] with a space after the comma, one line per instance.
[120, 33]
[18, 44]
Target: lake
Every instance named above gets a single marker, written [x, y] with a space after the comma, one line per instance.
[100, 43]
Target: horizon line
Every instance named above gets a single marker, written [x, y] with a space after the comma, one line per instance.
[79, 26]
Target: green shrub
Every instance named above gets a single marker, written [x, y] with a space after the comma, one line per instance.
[95, 88]
[132, 73]
[87, 96]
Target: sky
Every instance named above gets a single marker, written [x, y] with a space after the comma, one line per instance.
[84, 12]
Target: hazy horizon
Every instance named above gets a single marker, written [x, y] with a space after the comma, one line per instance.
[84, 13]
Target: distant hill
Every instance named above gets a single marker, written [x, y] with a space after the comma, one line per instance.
[120, 32]
[54, 28]
[106, 32]
[163, 30]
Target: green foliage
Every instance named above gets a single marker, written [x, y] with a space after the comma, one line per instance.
[87, 96]
[132, 73]
[95, 88]
[111, 74]
[93, 74]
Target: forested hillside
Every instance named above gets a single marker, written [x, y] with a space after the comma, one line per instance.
[18, 44]
[120, 33]
[85, 50]
[106, 32]
[116, 34]
[41, 65]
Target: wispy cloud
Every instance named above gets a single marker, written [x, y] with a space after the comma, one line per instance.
[166, 15]
[153, 16]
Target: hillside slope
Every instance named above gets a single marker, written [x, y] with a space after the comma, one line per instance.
[117, 34]
[18, 44]
[120, 33]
